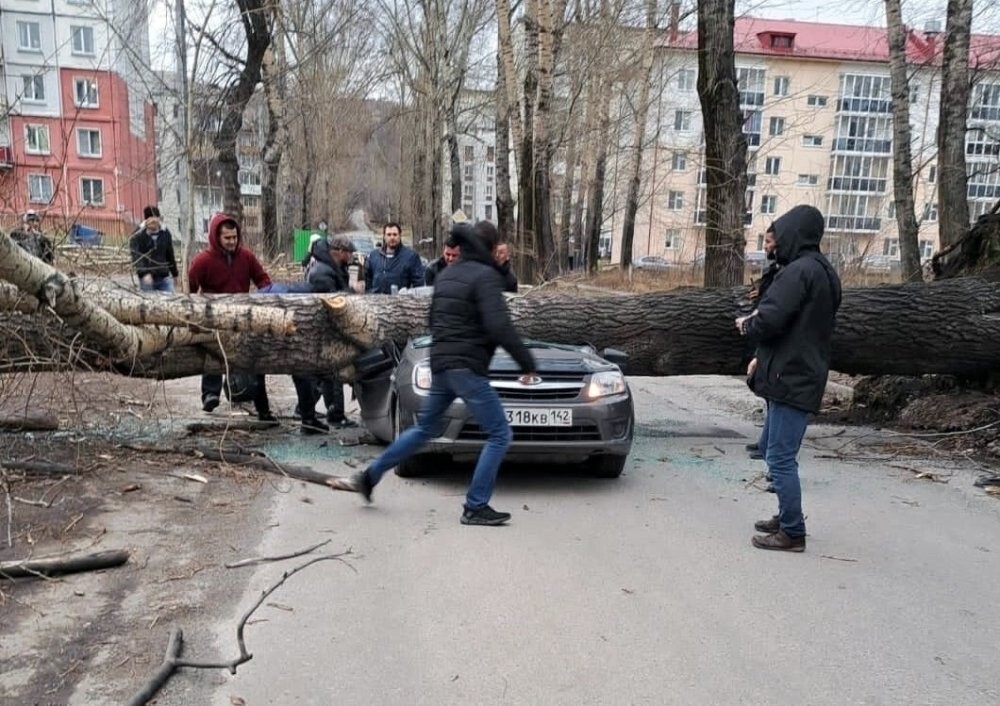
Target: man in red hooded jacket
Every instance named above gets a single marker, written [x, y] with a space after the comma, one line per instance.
[227, 267]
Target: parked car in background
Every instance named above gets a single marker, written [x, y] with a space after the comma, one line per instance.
[577, 409]
[652, 262]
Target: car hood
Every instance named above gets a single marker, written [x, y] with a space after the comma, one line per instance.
[549, 357]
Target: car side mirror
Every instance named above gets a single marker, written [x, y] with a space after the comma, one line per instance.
[613, 355]
[374, 362]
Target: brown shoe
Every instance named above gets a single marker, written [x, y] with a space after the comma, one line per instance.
[767, 526]
[779, 541]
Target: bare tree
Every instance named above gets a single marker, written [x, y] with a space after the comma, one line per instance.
[725, 144]
[953, 204]
[902, 162]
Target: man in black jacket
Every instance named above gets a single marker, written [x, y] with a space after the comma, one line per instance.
[450, 254]
[152, 250]
[793, 329]
[327, 274]
[468, 320]
[503, 262]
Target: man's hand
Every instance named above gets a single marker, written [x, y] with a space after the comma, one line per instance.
[741, 324]
[751, 367]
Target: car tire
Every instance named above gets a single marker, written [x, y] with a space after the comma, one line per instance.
[608, 466]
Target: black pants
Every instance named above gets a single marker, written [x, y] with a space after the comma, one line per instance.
[308, 389]
[212, 385]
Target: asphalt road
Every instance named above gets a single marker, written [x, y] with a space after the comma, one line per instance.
[641, 590]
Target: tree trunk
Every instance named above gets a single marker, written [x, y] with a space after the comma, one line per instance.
[595, 200]
[566, 198]
[504, 198]
[542, 145]
[455, 167]
[273, 77]
[639, 136]
[902, 162]
[725, 145]
[953, 204]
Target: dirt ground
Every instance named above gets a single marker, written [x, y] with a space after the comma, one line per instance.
[96, 637]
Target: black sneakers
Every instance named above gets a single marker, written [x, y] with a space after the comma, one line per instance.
[268, 418]
[210, 402]
[341, 422]
[314, 426]
[485, 516]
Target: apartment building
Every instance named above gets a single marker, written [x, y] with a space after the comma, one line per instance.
[818, 120]
[477, 154]
[76, 127]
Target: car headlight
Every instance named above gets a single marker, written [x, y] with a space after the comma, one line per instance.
[608, 382]
[422, 376]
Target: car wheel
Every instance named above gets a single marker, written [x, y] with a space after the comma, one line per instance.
[608, 466]
[415, 466]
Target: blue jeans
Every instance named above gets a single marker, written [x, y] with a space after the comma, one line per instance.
[784, 429]
[484, 403]
[163, 284]
[762, 441]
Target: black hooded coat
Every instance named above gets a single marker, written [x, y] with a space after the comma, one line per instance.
[469, 316]
[793, 325]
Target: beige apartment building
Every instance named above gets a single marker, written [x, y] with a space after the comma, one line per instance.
[817, 101]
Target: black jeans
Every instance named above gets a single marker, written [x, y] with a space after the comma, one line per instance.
[212, 385]
[308, 389]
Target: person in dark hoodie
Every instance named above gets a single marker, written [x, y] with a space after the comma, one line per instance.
[227, 267]
[468, 320]
[393, 264]
[793, 329]
[503, 262]
[152, 251]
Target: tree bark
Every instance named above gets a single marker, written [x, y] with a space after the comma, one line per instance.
[902, 162]
[595, 200]
[953, 204]
[504, 197]
[725, 144]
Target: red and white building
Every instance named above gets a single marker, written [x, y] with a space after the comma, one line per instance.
[76, 125]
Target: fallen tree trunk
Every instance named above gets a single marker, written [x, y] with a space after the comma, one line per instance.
[949, 327]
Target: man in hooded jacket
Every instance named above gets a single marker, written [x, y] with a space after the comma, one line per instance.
[468, 320]
[226, 266]
[793, 329]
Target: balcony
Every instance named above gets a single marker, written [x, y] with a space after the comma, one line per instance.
[854, 224]
[985, 112]
[865, 184]
[6, 157]
[864, 105]
[866, 145]
[751, 99]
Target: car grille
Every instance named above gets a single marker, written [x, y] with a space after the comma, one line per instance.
[555, 386]
[579, 432]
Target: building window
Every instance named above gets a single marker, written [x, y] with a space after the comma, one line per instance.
[673, 239]
[817, 101]
[781, 85]
[772, 165]
[675, 200]
[491, 153]
[752, 121]
[930, 212]
[812, 140]
[890, 210]
[777, 127]
[768, 204]
[678, 161]
[468, 191]
[686, 79]
[83, 40]
[781, 41]
[914, 91]
[488, 209]
[34, 89]
[92, 191]
[808, 179]
[470, 153]
[682, 120]
[29, 36]
[488, 192]
[467, 209]
[890, 248]
[39, 188]
[36, 139]
[751, 83]
[489, 172]
[468, 175]
[926, 249]
[85, 92]
[932, 174]
[88, 142]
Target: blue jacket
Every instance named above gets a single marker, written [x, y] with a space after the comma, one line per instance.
[403, 269]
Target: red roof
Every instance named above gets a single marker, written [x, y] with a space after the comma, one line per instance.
[817, 40]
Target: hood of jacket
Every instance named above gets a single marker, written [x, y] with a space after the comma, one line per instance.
[472, 245]
[797, 231]
[213, 232]
[321, 252]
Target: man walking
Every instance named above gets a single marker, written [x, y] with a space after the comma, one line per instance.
[793, 328]
[468, 320]
[450, 255]
[227, 267]
[152, 250]
[393, 266]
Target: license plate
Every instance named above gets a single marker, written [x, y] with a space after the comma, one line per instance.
[539, 416]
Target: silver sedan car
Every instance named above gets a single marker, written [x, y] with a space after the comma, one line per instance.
[578, 409]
